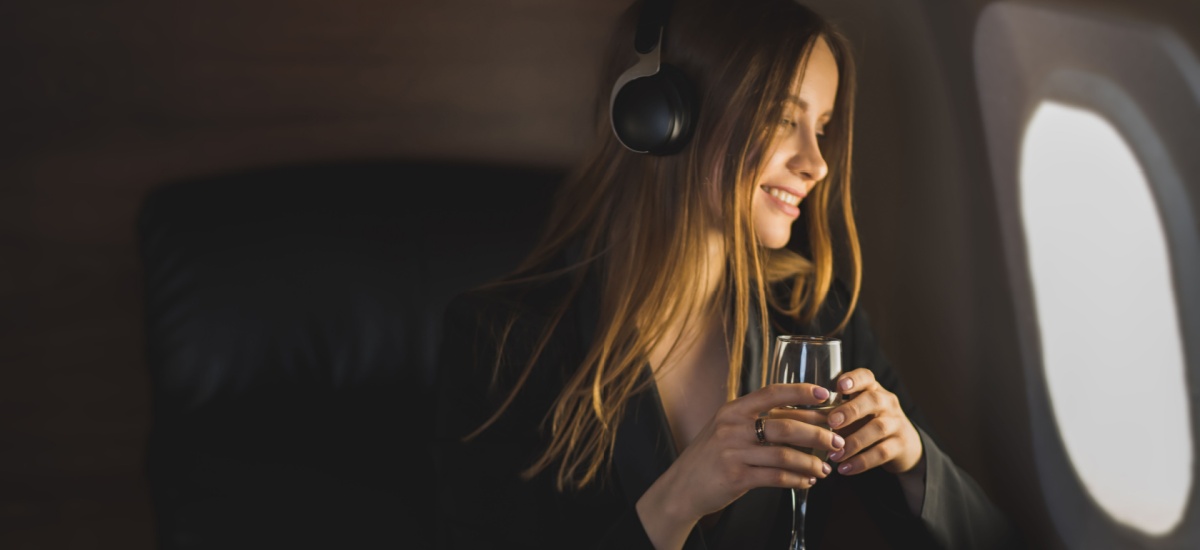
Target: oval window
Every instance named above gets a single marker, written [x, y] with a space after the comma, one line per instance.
[1108, 321]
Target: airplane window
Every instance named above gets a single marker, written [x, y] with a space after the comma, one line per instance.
[1110, 333]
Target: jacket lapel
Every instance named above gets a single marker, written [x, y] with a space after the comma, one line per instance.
[644, 447]
[744, 523]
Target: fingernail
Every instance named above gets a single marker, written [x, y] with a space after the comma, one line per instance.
[836, 455]
[826, 468]
[838, 441]
[845, 468]
[836, 419]
[846, 384]
[812, 481]
[820, 393]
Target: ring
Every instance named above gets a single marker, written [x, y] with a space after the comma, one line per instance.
[760, 429]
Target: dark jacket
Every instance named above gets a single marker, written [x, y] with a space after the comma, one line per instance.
[483, 502]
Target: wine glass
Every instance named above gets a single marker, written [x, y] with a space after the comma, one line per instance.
[813, 360]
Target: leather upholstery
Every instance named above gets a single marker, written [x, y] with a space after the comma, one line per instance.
[291, 318]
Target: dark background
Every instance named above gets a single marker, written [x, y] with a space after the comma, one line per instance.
[101, 101]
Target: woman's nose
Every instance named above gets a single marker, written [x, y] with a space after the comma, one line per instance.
[806, 160]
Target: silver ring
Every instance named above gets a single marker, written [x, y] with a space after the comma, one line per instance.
[760, 429]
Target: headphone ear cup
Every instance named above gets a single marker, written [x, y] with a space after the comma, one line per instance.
[655, 114]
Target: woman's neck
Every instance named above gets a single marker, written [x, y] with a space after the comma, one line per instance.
[686, 331]
[691, 363]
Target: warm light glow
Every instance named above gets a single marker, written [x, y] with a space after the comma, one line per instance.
[1109, 329]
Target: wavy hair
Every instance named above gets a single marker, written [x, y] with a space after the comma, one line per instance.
[642, 222]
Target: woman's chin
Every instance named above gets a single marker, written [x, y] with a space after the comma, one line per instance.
[774, 229]
[774, 240]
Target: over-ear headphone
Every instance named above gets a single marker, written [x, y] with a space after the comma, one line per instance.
[652, 106]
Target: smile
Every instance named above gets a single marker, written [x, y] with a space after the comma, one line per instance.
[787, 201]
[783, 196]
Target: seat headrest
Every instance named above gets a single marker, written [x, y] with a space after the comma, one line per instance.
[321, 278]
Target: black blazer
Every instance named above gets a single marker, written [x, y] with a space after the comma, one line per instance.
[483, 503]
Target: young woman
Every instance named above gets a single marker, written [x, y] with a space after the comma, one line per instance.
[606, 393]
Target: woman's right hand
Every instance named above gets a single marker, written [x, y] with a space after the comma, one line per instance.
[725, 460]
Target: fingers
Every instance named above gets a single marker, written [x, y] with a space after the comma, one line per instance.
[888, 441]
[776, 477]
[816, 417]
[778, 395]
[856, 381]
[782, 466]
[797, 433]
[877, 455]
[863, 405]
[868, 435]
[872, 423]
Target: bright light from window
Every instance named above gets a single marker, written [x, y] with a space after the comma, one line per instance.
[1110, 334]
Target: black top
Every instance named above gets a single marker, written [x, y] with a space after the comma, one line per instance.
[483, 502]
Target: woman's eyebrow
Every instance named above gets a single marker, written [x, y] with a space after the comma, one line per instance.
[804, 105]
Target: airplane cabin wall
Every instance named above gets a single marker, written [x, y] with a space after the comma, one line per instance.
[936, 281]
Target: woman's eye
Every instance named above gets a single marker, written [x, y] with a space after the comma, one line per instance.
[787, 122]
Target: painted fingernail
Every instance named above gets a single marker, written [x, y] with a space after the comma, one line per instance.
[826, 468]
[820, 393]
[838, 441]
[846, 384]
[836, 419]
[836, 455]
[812, 481]
[845, 468]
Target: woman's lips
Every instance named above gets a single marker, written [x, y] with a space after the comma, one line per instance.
[786, 199]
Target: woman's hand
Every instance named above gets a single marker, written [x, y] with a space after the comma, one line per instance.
[726, 459]
[877, 431]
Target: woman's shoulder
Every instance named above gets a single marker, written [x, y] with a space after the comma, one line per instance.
[838, 302]
[833, 310]
[532, 298]
[499, 327]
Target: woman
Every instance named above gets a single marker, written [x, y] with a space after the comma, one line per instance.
[605, 394]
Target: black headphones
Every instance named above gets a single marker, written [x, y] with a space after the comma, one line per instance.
[652, 106]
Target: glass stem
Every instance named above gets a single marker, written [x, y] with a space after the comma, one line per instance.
[799, 509]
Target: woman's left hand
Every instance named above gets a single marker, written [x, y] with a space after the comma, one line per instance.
[876, 430]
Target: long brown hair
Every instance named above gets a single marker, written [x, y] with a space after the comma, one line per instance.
[640, 221]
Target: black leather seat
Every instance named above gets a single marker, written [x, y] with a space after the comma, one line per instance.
[292, 315]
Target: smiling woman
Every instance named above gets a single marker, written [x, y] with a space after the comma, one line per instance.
[251, 379]
[612, 389]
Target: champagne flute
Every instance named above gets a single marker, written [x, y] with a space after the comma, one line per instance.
[812, 360]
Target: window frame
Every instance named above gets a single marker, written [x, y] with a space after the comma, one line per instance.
[1137, 76]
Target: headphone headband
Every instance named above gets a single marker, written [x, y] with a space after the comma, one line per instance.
[650, 25]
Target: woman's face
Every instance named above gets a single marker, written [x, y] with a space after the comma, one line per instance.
[794, 163]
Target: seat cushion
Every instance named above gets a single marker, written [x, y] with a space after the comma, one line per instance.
[292, 316]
